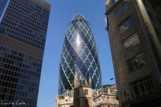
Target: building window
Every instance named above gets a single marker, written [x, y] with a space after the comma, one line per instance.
[136, 90]
[142, 87]
[132, 41]
[61, 97]
[120, 11]
[136, 63]
[126, 24]
[85, 92]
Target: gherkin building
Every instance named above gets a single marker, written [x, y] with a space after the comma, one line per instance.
[79, 56]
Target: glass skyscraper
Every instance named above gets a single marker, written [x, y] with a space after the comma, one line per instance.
[79, 56]
[23, 27]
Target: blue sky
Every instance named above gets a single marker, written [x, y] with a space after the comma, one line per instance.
[62, 12]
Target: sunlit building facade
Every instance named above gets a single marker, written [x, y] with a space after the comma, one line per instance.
[106, 96]
[23, 27]
[79, 56]
[66, 99]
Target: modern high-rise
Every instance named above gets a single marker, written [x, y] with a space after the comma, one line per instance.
[23, 27]
[134, 33]
[79, 56]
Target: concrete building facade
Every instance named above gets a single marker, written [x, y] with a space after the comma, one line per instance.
[64, 101]
[106, 97]
[83, 96]
[134, 35]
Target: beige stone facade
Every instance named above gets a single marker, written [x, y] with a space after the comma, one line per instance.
[64, 101]
[106, 97]
[86, 97]
[83, 97]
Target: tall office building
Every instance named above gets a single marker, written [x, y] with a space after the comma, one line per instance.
[23, 27]
[79, 56]
[134, 33]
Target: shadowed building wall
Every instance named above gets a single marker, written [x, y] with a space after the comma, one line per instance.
[134, 33]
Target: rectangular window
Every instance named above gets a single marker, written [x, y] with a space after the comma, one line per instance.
[142, 87]
[127, 24]
[121, 10]
[85, 92]
[136, 63]
[131, 41]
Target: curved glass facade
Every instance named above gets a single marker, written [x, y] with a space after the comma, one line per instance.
[79, 55]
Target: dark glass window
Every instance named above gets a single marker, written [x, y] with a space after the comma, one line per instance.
[136, 63]
[126, 24]
[24, 20]
[120, 11]
[142, 87]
